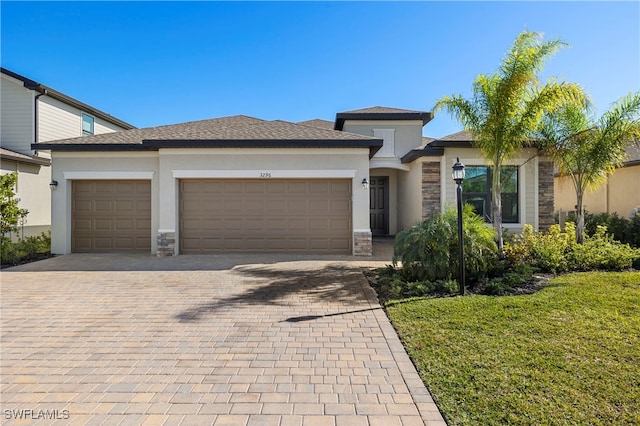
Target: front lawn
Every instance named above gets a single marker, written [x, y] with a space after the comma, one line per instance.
[568, 354]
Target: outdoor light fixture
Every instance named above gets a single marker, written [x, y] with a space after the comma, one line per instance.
[365, 183]
[458, 177]
[53, 185]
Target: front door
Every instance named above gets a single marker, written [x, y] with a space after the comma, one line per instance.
[379, 205]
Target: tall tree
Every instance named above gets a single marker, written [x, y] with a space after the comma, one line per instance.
[507, 107]
[588, 149]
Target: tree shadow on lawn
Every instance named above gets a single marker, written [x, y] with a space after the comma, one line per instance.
[322, 291]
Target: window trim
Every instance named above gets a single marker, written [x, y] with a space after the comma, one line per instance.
[93, 124]
[488, 195]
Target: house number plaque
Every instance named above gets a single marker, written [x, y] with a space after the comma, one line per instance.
[265, 174]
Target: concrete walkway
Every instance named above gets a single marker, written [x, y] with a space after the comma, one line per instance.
[202, 340]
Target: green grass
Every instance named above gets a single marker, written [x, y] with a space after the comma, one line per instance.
[568, 354]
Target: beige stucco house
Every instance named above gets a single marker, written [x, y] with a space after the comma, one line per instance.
[242, 184]
[618, 194]
[32, 112]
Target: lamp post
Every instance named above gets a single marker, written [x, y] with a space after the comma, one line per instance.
[458, 177]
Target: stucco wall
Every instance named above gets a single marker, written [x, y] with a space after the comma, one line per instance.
[95, 165]
[169, 165]
[409, 196]
[408, 134]
[618, 194]
[32, 189]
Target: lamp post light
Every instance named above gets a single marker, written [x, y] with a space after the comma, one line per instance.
[458, 177]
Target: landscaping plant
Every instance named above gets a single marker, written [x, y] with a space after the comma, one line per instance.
[507, 107]
[588, 149]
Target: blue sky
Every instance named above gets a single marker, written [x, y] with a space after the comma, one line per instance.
[152, 63]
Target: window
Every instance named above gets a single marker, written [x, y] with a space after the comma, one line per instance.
[87, 125]
[476, 190]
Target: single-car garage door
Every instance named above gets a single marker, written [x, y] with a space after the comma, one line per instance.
[111, 215]
[265, 215]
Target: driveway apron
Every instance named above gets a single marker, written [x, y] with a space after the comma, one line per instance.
[204, 341]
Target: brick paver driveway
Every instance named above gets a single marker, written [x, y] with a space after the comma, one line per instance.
[197, 340]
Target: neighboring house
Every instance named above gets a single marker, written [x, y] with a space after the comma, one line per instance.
[241, 184]
[32, 112]
[616, 195]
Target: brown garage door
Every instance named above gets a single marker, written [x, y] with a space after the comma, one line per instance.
[269, 215]
[111, 215]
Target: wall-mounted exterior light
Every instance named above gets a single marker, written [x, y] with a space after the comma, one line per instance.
[53, 185]
[365, 183]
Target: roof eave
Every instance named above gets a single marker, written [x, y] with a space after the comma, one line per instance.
[374, 145]
[341, 117]
[414, 154]
[28, 160]
[47, 91]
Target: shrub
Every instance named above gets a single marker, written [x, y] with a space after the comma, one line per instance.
[557, 251]
[621, 229]
[25, 249]
[429, 250]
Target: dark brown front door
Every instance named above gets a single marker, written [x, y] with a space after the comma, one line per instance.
[379, 205]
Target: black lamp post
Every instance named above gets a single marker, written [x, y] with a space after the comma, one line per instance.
[458, 177]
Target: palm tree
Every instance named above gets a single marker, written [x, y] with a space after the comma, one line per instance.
[589, 149]
[507, 107]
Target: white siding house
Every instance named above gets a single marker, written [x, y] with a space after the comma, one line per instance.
[32, 112]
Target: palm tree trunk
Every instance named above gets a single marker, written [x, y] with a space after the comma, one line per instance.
[579, 219]
[496, 208]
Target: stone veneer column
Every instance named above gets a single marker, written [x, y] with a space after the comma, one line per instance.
[546, 208]
[362, 244]
[166, 243]
[430, 188]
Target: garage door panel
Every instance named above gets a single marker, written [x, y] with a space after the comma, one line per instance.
[111, 216]
[265, 215]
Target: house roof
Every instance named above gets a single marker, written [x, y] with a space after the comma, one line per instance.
[7, 154]
[633, 154]
[381, 113]
[323, 124]
[238, 131]
[48, 91]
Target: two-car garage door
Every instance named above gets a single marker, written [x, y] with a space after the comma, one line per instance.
[265, 215]
[217, 215]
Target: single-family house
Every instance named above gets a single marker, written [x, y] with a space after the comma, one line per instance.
[242, 184]
[615, 195]
[32, 112]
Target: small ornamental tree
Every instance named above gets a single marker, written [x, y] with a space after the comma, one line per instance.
[10, 213]
[588, 149]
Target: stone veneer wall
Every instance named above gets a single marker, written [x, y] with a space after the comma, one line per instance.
[166, 243]
[545, 195]
[431, 188]
[362, 244]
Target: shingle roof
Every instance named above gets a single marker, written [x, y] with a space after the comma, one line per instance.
[381, 110]
[633, 154]
[381, 113]
[234, 131]
[7, 154]
[48, 91]
[462, 136]
[323, 124]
